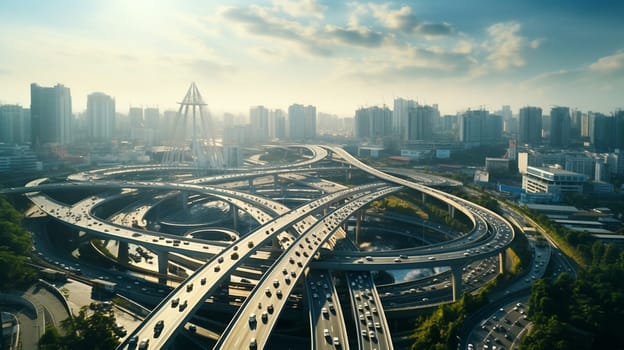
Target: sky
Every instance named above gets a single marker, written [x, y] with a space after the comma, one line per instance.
[336, 55]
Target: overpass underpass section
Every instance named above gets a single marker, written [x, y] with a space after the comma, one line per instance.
[370, 320]
[327, 323]
[249, 331]
[182, 303]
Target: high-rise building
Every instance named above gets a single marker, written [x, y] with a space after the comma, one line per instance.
[135, 114]
[302, 122]
[51, 115]
[373, 122]
[530, 130]
[559, 126]
[100, 117]
[151, 116]
[576, 122]
[601, 132]
[259, 123]
[492, 129]
[618, 130]
[400, 114]
[14, 124]
[420, 123]
[277, 124]
[471, 127]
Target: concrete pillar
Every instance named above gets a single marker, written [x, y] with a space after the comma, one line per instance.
[501, 262]
[250, 184]
[423, 197]
[163, 262]
[456, 279]
[184, 200]
[234, 211]
[122, 253]
[275, 181]
[358, 223]
[451, 210]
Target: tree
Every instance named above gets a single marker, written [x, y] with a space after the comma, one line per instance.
[95, 332]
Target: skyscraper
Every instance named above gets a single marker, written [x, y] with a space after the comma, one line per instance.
[135, 114]
[50, 113]
[399, 116]
[277, 124]
[259, 122]
[471, 126]
[373, 122]
[100, 116]
[601, 132]
[302, 122]
[530, 125]
[14, 124]
[560, 126]
[420, 123]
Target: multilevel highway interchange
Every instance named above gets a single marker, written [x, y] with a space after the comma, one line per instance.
[299, 249]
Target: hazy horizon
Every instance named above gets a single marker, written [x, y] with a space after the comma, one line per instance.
[333, 55]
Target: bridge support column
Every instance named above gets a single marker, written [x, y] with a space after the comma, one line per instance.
[456, 279]
[358, 223]
[275, 181]
[424, 197]
[184, 200]
[348, 175]
[251, 185]
[234, 211]
[451, 210]
[501, 262]
[163, 262]
[122, 253]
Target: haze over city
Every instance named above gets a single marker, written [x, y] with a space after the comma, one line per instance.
[337, 56]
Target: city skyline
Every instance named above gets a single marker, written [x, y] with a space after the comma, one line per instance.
[335, 56]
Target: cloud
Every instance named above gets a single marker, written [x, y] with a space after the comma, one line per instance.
[404, 20]
[608, 64]
[355, 36]
[505, 46]
[301, 8]
[259, 21]
[211, 68]
[435, 29]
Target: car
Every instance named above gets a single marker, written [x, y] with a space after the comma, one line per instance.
[324, 312]
[431, 258]
[270, 308]
[192, 328]
[159, 326]
[276, 283]
[175, 302]
[278, 293]
[264, 317]
[144, 344]
[203, 281]
[253, 344]
[189, 287]
[267, 292]
[252, 319]
[132, 342]
[326, 332]
[183, 305]
[336, 341]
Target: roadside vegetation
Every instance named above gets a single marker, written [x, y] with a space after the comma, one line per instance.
[585, 313]
[15, 248]
[83, 332]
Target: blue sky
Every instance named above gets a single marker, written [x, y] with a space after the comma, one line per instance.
[336, 55]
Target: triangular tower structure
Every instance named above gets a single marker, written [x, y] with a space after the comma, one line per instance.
[203, 151]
